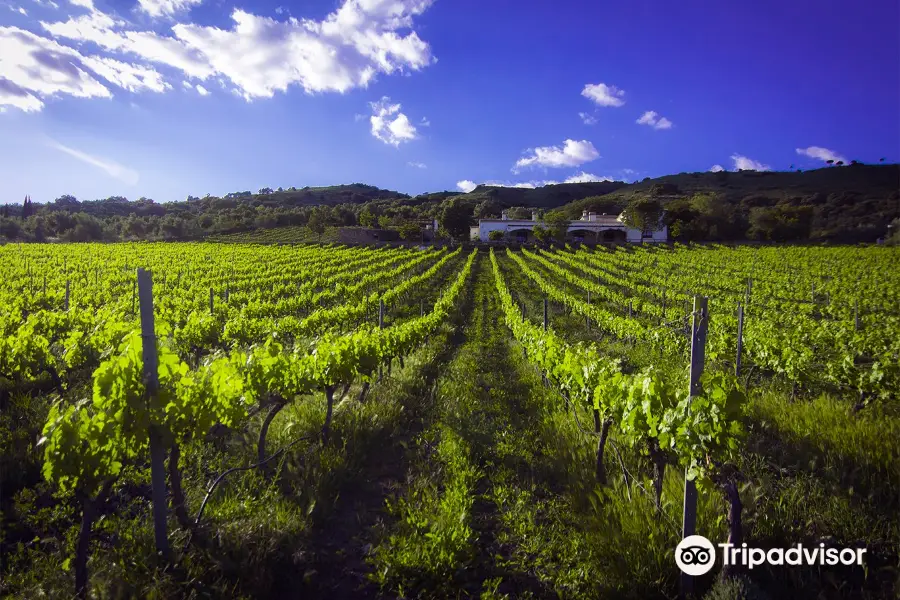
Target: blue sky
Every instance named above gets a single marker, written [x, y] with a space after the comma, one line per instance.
[166, 98]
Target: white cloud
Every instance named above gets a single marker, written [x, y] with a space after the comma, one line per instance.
[587, 119]
[19, 10]
[571, 154]
[466, 185]
[629, 172]
[261, 55]
[417, 165]
[113, 169]
[389, 124]
[823, 154]
[424, 122]
[654, 120]
[586, 178]
[159, 8]
[99, 29]
[18, 97]
[33, 68]
[201, 90]
[187, 85]
[279, 10]
[604, 95]
[744, 163]
[716, 168]
[133, 78]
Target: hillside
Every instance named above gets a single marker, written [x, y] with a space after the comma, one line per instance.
[548, 196]
[850, 204]
[117, 218]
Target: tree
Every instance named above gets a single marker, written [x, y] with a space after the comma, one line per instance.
[265, 190]
[643, 214]
[366, 218]
[558, 224]
[410, 232]
[455, 218]
[316, 223]
[780, 223]
[830, 161]
[881, 160]
[489, 209]
[384, 222]
[9, 229]
[496, 235]
[542, 234]
[66, 200]
[518, 212]
[839, 163]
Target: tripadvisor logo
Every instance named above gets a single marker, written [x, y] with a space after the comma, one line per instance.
[695, 555]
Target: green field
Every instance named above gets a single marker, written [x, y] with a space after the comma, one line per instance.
[408, 425]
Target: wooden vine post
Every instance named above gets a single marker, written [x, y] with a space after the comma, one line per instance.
[740, 341]
[699, 329]
[587, 319]
[545, 314]
[151, 383]
[380, 326]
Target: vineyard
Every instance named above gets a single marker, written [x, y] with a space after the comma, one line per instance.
[211, 420]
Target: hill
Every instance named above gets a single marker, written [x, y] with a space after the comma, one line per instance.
[854, 203]
[848, 204]
[548, 196]
[117, 218]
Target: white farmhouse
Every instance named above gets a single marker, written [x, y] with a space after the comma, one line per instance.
[591, 228]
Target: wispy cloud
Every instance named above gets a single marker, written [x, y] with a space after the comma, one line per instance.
[716, 168]
[823, 154]
[654, 120]
[588, 119]
[113, 169]
[604, 95]
[161, 8]
[467, 185]
[748, 164]
[586, 178]
[201, 90]
[417, 165]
